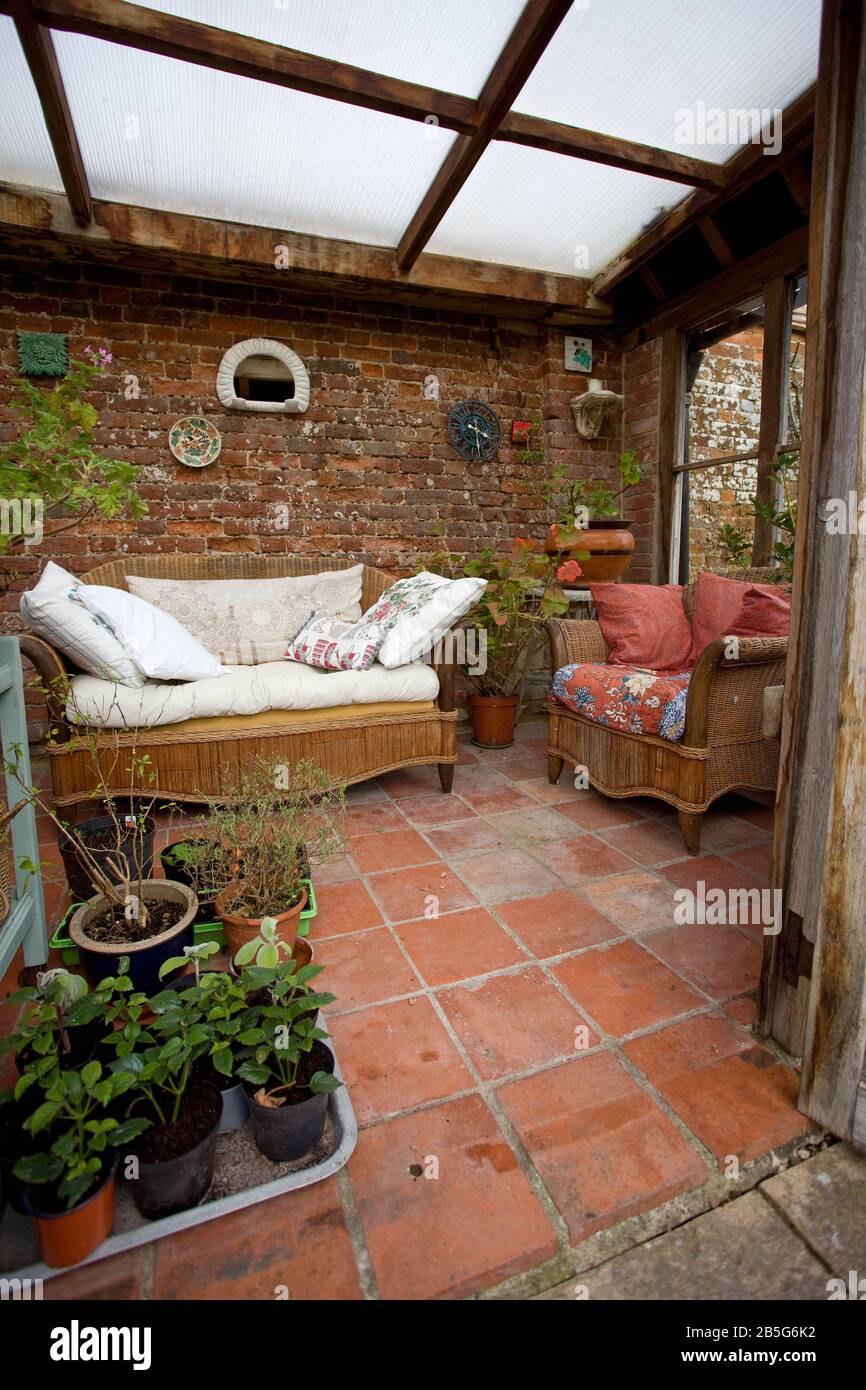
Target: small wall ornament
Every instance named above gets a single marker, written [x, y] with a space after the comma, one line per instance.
[578, 355]
[194, 441]
[590, 409]
[258, 348]
[43, 354]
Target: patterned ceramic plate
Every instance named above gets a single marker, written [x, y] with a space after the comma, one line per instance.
[194, 441]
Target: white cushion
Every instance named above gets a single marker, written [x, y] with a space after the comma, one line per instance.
[55, 609]
[333, 645]
[158, 645]
[419, 610]
[249, 621]
[276, 685]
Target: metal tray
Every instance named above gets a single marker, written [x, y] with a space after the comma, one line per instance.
[242, 1177]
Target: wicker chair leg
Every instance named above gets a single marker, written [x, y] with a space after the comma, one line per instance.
[690, 829]
[554, 768]
[446, 776]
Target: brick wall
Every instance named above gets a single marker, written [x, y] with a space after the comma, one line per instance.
[366, 472]
[640, 426]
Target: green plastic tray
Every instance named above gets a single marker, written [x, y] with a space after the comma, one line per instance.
[204, 931]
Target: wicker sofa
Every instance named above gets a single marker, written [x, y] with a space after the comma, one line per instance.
[195, 757]
[724, 746]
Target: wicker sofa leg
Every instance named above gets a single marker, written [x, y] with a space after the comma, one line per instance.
[554, 768]
[690, 829]
[446, 776]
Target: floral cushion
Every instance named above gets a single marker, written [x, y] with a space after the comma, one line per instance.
[333, 645]
[416, 612]
[628, 698]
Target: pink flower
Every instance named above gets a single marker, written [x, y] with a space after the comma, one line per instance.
[570, 570]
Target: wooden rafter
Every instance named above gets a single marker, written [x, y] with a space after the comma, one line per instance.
[799, 187]
[237, 250]
[746, 167]
[538, 22]
[716, 242]
[42, 60]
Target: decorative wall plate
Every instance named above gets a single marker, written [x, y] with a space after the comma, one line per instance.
[194, 441]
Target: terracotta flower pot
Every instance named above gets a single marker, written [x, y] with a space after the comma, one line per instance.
[493, 718]
[68, 1237]
[239, 929]
[610, 545]
[100, 958]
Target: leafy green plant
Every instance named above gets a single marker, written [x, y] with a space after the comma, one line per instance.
[162, 1058]
[576, 502]
[267, 949]
[75, 1103]
[524, 589]
[280, 1031]
[266, 822]
[203, 951]
[54, 459]
[60, 1003]
[781, 515]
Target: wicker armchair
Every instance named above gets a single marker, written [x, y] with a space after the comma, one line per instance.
[724, 747]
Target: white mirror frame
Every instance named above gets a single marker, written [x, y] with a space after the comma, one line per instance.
[263, 347]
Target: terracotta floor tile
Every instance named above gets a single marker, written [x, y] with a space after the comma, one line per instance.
[120, 1277]
[743, 1010]
[712, 871]
[540, 788]
[343, 907]
[762, 816]
[598, 813]
[638, 901]
[479, 777]
[411, 781]
[513, 1022]
[488, 801]
[390, 849]
[458, 946]
[363, 969]
[603, 1149]
[721, 832]
[757, 859]
[624, 989]
[435, 810]
[524, 764]
[730, 1092]
[361, 793]
[374, 815]
[298, 1242]
[473, 1225]
[339, 870]
[465, 837]
[580, 859]
[651, 842]
[719, 960]
[397, 1056]
[508, 873]
[532, 825]
[406, 894]
[652, 806]
[557, 922]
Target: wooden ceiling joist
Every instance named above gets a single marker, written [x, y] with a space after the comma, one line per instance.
[227, 249]
[42, 60]
[538, 22]
[716, 242]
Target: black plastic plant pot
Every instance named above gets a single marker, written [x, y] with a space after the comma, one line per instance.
[234, 1107]
[81, 885]
[286, 1132]
[176, 1184]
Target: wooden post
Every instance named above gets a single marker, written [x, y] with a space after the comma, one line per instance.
[819, 857]
[671, 449]
[778, 306]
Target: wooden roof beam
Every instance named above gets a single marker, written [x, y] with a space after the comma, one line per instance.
[42, 61]
[539, 134]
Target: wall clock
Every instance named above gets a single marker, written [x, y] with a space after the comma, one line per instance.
[474, 431]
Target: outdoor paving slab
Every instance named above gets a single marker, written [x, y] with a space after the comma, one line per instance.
[623, 988]
[824, 1199]
[364, 969]
[298, 1242]
[557, 922]
[739, 1251]
[476, 1223]
[603, 1148]
[458, 945]
[406, 894]
[733, 1094]
[509, 1023]
[639, 901]
[397, 1056]
[719, 960]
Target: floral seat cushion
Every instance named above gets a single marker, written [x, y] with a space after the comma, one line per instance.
[627, 698]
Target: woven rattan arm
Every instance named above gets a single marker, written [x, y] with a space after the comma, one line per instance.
[53, 681]
[726, 694]
[573, 639]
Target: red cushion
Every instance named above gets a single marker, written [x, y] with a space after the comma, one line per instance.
[718, 604]
[763, 614]
[644, 625]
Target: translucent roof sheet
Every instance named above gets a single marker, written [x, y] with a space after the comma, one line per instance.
[178, 137]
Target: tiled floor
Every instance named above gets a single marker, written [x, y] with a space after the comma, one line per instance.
[535, 1050]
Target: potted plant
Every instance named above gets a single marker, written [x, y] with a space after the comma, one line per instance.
[288, 1070]
[524, 589]
[69, 1184]
[588, 522]
[270, 822]
[158, 1042]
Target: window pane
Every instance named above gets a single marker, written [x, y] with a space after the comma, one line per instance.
[720, 500]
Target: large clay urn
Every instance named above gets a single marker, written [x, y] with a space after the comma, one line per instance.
[606, 548]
